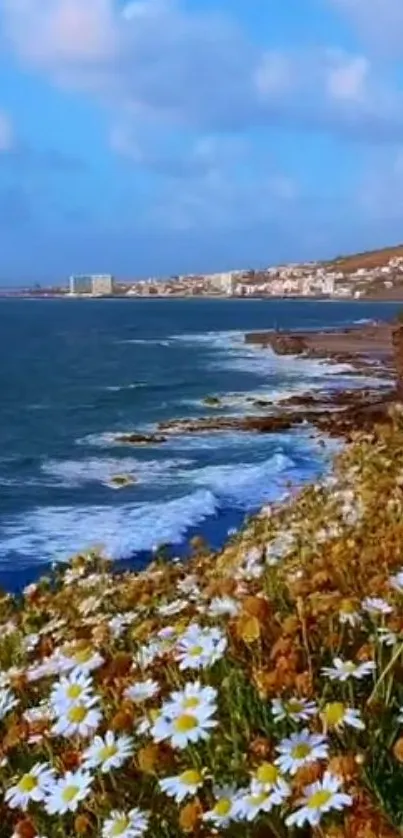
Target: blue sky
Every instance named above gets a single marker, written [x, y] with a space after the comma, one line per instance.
[151, 137]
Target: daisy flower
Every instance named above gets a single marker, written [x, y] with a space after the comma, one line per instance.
[7, 702]
[150, 652]
[32, 786]
[386, 637]
[76, 686]
[296, 709]
[142, 691]
[400, 716]
[67, 792]
[117, 625]
[85, 660]
[172, 608]
[80, 719]
[343, 670]
[49, 666]
[108, 752]
[396, 582]
[301, 749]
[223, 606]
[278, 548]
[224, 809]
[336, 715]
[258, 799]
[319, 798]
[182, 785]
[132, 824]
[193, 698]
[375, 606]
[199, 648]
[268, 777]
[189, 586]
[348, 615]
[184, 728]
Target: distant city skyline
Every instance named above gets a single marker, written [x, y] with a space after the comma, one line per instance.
[156, 137]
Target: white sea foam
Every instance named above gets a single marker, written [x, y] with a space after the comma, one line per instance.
[55, 533]
[148, 341]
[73, 473]
[246, 484]
[115, 388]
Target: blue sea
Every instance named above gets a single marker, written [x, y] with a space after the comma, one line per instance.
[73, 373]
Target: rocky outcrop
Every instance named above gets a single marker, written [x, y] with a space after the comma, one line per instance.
[140, 439]
[122, 481]
[280, 343]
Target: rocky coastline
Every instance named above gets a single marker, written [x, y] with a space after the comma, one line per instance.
[372, 350]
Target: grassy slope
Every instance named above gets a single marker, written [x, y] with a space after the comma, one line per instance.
[298, 577]
[370, 259]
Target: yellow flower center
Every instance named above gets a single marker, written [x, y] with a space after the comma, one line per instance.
[77, 714]
[334, 713]
[301, 750]
[222, 807]
[28, 783]
[267, 773]
[119, 826]
[191, 703]
[69, 793]
[320, 798]
[83, 655]
[293, 706]
[74, 691]
[195, 651]
[257, 799]
[107, 752]
[347, 607]
[190, 778]
[185, 723]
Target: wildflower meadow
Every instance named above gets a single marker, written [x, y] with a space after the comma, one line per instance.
[253, 692]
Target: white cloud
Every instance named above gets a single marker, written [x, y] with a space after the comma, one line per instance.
[197, 70]
[378, 22]
[7, 137]
[349, 79]
[60, 34]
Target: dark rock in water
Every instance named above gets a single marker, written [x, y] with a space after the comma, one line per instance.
[121, 481]
[140, 439]
[212, 401]
[282, 344]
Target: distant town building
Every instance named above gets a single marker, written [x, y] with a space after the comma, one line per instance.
[102, 285]
[80, 284]
[98, 285]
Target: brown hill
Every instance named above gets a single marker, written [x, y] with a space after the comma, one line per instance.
[369, 259]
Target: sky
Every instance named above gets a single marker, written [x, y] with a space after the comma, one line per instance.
[155, 137]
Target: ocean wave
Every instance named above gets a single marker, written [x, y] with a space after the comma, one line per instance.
[115, 388]
[73, 473]
[147, 341]
[55, 533]
[247, 485]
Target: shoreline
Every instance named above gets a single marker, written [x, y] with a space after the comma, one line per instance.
[306, 597]
[353, 409]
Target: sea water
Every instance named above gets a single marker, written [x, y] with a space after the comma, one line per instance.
[74, 373]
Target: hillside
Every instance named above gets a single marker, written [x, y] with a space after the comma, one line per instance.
[368, 260]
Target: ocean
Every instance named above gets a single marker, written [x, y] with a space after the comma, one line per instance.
[73, 373]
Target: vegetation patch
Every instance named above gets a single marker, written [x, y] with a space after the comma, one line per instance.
[254, 692]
